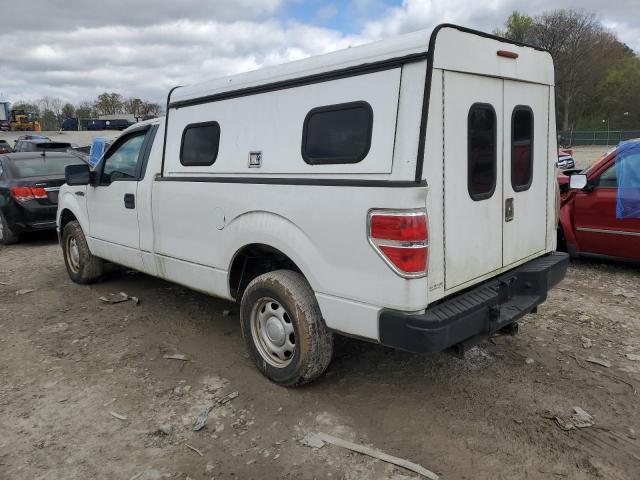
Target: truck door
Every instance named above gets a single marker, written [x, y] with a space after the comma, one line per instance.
[495, 174]
[525, 170]
[112, 202]
[473, 176]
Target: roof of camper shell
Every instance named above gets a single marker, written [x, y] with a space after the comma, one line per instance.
[400, 46]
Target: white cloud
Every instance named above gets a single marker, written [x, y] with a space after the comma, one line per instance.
[417, 14]
[413, 15]
[147, 61]
[144, 47]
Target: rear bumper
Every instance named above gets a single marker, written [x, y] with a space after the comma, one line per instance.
[475, 314]
[22, 218]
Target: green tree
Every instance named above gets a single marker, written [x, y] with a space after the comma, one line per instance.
[49, 120]
[68, 110]
[150, 109]
[616, 97]
[584, 53]
[85, 109]
[518, 27]
[132, 106]
[109, 103]
[26, 106]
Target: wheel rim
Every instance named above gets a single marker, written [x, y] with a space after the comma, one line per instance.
[273, 333]
[1, 229]
[73, 254]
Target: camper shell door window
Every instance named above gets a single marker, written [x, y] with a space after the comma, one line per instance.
[337, 134]
[481, 151]
[521, 148]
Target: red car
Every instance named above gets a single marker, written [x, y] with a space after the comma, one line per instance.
[600, 213]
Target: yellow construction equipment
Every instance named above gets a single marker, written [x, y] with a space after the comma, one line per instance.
[20, 120]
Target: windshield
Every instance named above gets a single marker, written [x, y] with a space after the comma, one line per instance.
[42, 166]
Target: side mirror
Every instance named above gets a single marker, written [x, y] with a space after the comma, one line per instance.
[577, 181]
[77, 174]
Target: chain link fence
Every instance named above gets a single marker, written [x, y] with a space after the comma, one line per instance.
[595, 137]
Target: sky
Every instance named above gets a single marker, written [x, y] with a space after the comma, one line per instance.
[76, 49]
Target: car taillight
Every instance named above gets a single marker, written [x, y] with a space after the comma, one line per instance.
[24, 194]
[401, 239]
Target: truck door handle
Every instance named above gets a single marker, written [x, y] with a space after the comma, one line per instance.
[129, 201]
[508, 209]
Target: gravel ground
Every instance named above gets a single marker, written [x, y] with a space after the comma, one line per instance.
[86, 390]
[585, 155]
[79, 138]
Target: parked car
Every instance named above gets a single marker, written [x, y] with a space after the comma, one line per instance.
[314, 193]
[5, 147]
[565, 159]
[591, 220]
[30, 136]
[29, 185]
[38, 145]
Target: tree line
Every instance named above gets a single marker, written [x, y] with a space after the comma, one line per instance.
[52, 111]
[597, 76]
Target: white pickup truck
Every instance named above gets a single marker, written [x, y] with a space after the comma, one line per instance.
[401, 192]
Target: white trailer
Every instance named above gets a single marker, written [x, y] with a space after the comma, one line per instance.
[401, 192]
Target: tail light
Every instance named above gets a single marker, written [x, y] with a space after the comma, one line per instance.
[24, 194]
[400, 237]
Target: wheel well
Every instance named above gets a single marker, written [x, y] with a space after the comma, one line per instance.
[561, 242]
[254, 260]
[65, 217]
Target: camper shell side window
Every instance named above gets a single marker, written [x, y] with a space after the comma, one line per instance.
[481, 151]
[336, 134]
[200, 144]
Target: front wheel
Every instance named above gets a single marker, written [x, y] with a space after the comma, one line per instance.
[82, 266]
[283, 329]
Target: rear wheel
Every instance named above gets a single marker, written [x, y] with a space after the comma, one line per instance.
[82, 266]
[283, 329]
[7, 235]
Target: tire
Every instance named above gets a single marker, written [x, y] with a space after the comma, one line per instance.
[82, 266]
[7, 235]
[279, 313]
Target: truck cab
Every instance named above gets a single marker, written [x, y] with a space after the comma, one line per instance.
[600, 207]
[401, 192]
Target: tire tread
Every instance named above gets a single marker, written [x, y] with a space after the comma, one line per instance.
[319, 349]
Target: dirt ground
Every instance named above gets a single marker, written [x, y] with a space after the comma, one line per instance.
[85, 390]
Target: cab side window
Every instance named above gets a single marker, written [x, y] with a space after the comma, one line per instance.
[608, 178]
[629, 165]
[122, 162]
